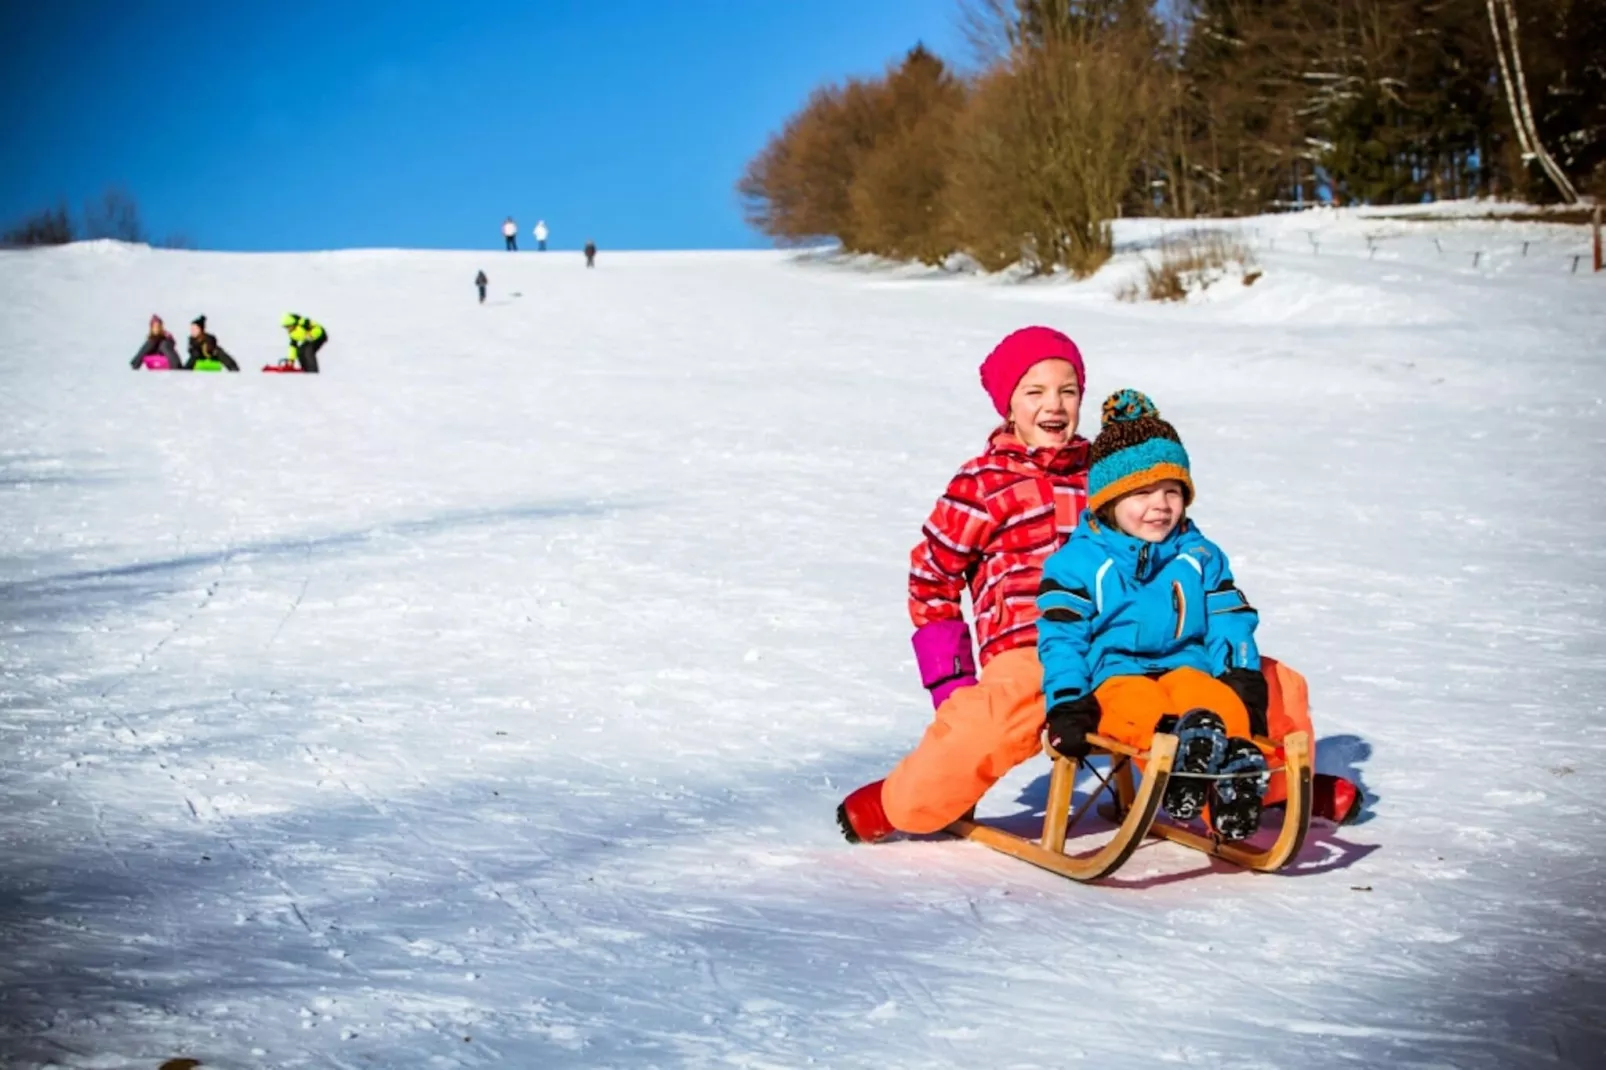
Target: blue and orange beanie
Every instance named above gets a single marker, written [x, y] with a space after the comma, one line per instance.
[1134, 449]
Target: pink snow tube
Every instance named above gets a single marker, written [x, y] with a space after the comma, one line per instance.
[156, 362]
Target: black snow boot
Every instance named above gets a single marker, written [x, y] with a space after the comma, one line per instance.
[1236, 798]
[1201, 745]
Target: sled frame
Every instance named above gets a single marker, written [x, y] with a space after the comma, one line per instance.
[1137, 808]
[1297, 768]
[1048, 850]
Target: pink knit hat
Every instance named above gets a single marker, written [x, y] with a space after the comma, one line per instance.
[1012, 358]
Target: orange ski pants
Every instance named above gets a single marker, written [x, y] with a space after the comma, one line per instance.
[978, 735]
[983, 732]
[1130, 706]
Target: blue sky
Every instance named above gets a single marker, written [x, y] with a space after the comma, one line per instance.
[301, 125]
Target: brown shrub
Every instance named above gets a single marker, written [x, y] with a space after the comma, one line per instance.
[796, 188]
[1047, 148]
[897, 195]
[1196, 262]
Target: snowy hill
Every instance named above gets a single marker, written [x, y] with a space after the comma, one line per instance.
[484, 701]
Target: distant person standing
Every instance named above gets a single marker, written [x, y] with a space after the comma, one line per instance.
[591, 253]
[510, 232]
[481, 282]
[540, 235]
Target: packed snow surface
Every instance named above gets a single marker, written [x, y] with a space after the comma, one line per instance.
[485, 700]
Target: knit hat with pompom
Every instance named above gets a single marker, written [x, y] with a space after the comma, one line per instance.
[1134, 449]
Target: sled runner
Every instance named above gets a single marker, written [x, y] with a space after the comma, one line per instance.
[1136, 806]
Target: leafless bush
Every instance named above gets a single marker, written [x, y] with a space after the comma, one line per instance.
[1196, 262]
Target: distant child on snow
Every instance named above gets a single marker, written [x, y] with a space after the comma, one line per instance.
[480, 283]
[540, 236]
[1001, 517]
[510, 234]
[306, 338]
[158, 342]
[591, 253]
[1144, 630]
[204, 346]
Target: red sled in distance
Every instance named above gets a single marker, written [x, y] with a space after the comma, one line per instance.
[282, 368]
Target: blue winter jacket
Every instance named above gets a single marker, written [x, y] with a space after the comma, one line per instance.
[1113, 605]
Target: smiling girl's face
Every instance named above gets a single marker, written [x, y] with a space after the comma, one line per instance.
[1046, 404]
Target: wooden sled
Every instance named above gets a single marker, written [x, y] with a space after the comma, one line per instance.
[1137, 806]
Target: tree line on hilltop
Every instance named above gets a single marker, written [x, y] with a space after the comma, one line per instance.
[1080, 111]
[114, 215]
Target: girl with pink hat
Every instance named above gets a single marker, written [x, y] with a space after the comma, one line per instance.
[1001, 517]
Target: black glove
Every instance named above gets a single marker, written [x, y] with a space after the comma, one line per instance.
[1250, 687]
[1069, 724]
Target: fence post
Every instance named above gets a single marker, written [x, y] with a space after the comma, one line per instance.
[1597, 238]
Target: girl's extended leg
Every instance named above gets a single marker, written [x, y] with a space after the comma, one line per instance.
[979, 734]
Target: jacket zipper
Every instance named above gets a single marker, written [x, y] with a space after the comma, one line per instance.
[1143, 559]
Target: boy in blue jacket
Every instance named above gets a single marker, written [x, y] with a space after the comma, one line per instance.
[1142, 628]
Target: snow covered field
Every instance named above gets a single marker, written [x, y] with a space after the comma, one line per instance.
[485, 700]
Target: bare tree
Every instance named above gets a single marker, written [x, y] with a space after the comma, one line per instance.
[51, 226]
[1047, 148]
[115, 215]
[1517, 99]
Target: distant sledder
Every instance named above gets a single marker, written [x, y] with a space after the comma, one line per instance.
[158, 352]
[205, 353]
[307, 337]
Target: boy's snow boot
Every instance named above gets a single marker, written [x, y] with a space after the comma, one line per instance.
[861, 816]
[1201, 745]
[1235, 799]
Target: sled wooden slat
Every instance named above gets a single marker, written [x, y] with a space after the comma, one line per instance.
[1296, 819]
[1137, 807]
[1049, 852]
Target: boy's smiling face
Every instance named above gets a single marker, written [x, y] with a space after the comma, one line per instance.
[1046, 404]
[1150, 513]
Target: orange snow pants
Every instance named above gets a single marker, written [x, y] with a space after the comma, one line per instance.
[983, 732]
[979, 734]
[1131, 705]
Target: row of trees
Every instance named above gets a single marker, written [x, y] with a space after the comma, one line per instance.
[114, 214]
[1082, 110]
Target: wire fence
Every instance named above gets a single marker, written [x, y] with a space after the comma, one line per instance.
[1481, 250]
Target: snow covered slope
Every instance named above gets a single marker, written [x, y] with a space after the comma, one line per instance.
[484, 701]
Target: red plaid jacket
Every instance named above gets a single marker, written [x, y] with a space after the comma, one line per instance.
[1000, 518]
